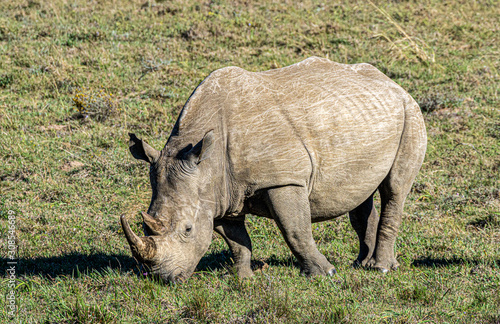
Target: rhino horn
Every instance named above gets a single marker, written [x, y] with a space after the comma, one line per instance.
[143, 248]
[155, 225]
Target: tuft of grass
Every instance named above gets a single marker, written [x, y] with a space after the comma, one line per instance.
[416, 46]
[97, 104]
[6, 80]
[198, 306]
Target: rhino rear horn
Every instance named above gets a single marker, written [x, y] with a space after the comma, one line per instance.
[143, 248]
[155, 226]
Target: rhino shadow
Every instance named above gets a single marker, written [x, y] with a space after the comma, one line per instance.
[215, 261]
[287, 262]
[71, 264]
[74, 263]
[447, 262]
[222, 260]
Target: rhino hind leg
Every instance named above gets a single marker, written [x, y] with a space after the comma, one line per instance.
[364, 219]
[383, 258]
[236, 236]
[396, 186]
[290, 209]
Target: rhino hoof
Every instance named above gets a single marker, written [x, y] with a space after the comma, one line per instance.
[332, 272]
[383, 270]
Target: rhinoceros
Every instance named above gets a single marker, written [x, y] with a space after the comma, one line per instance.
[301, 144]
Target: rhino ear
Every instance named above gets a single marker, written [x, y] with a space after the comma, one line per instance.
[141, 150]
[202, 150]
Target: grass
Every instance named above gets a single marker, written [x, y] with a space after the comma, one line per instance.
[68, 176]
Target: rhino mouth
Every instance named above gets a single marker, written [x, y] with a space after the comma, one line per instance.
[173, 277]
[168, 274]
[176, 277]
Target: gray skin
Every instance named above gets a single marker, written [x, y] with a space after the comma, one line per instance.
[301, 144]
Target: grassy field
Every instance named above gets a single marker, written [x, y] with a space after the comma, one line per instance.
[77, 76]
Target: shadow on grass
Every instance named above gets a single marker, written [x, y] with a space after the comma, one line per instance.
[71, 264]
[289, 262]
[215, 261]
[448, 262]
[74, 263]
[223, 261]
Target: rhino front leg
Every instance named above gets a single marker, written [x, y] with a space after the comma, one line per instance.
[364, 219]
[236, 236]
[290, 208]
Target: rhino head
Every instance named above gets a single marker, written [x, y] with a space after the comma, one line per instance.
[179, 223]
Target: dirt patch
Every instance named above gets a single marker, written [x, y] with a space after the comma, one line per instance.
[71, 165]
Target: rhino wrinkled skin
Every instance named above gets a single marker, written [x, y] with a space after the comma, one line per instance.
[300, 144]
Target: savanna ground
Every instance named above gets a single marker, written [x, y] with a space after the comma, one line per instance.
[67, 174]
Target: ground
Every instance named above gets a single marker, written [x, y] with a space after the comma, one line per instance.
[77, 76]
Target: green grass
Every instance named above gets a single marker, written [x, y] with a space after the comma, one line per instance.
[68, 178]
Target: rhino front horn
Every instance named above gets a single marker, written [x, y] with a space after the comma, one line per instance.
[143, 248]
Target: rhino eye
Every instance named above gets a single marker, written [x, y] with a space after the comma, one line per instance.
[189, 227]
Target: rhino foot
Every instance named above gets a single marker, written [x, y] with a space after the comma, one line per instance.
[243, 272]
[382, 266]
[323, 268]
